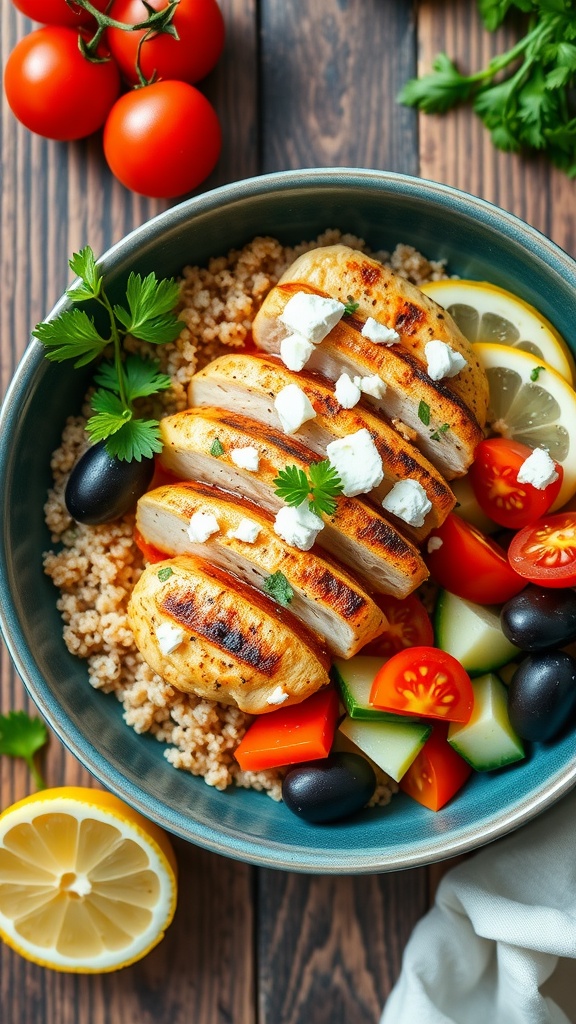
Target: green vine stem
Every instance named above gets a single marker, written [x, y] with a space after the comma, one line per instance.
[156, 22]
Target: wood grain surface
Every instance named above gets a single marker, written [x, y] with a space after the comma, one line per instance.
[302, 83]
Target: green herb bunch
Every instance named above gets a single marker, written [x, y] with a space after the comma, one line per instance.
[149, 316]
[320, 488]
[525, 96]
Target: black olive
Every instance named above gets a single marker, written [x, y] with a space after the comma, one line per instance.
[101, 488]
[542, 695]
[540, 619]
[322, 791]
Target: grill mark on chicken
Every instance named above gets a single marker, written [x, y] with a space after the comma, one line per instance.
[347, 601]
[409, 317]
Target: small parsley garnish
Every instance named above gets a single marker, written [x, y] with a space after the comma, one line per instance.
[424, 412]
[351, 306]
[278, 588]
[535, 373]
[320, 488]
[437, 434]
[147, 315]
[22, 736]
[165, 573]
[217, 449]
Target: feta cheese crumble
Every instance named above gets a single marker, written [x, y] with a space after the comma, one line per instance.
[408, 500]
[247, 531]
[298, 526]
[293, 408]
[357, 462]
[313, 316]
[347, 391]
[538, 469]
[246, 458]
[202, 526]
[295, 351]
[169, 637]
[379, 333]
[373, 385]
[278, 696]
[442, 360]
[434, 544]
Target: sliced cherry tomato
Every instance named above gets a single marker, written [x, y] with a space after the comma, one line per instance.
[302, 732]
[437, 773]
[150, 552]
[54, 90]
[409, 625]
[425, 682]
[494, 479]
[471, 565]
[545, 552]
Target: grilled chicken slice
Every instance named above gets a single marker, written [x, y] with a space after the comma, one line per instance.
[225, 641]
[248, 384]
[356, 535]
[326, 599]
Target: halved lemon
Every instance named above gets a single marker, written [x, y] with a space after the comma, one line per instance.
[87, 884]
[486, 313]
[531, 402]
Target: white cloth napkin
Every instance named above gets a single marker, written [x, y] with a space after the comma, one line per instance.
[500, 924]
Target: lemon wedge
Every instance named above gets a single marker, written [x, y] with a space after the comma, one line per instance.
[486, 313]
[531, 402]
[87, 884]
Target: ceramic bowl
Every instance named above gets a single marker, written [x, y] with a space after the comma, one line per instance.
[479, 241]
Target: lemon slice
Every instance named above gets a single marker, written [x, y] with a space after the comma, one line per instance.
[486, 313]
[533, 404]
[86, 884]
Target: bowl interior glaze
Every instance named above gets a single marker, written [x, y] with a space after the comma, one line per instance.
[479, 241]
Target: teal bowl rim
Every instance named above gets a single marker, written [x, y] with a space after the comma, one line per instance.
[217, 839]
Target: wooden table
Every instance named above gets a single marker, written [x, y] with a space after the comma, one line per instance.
[302, 83]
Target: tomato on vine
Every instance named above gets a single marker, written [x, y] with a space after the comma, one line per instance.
[58, 12]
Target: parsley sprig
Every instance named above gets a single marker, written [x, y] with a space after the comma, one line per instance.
[148, 314]
[22, 736]
[320, 488]
[530, 108]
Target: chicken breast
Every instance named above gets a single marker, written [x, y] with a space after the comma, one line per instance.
[206, 632]
[248, 384]
[357, 535]
[325, 598]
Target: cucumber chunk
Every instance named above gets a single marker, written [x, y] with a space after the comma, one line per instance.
[392, 745]
[354, 679]
[488, 740]
[472, 634]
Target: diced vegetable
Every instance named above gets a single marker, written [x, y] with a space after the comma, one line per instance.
[470, 564]
[354, 679]
[425, 682]
[471, 633]
[392, 745]
[437, 772]
[408, 626]
[301, 732]
[488, 740]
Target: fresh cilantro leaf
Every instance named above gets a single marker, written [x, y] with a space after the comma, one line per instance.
[142, 378]
[424, 412]
[351, 306]
[136, 439]
[149, 315]
[437, 92]
[83, 264]
[22, 736]
[110, 416]
[325, 487]
[535, 373]
[217, 449]
[165, 573]
[292, 485]
[278, 588]
[71, 335]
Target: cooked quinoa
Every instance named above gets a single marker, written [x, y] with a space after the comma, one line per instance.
[96, 567]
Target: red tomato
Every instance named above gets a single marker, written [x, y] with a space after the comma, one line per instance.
[162, 140]
[493, 476]
[302, 732]
[471, 565]
[408, 626]
[55, 91]
[437, 773]
[58, 12]
[200, 28]
[545, 552]
[425, 682]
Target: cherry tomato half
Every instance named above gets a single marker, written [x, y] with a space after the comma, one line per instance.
[162, 140]
[425, 682]
[471, 565]
[437, 773]
[55, 91]
[409, 625]
[200, 28]
[493, 476]
[545, 552]
[58, 12]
